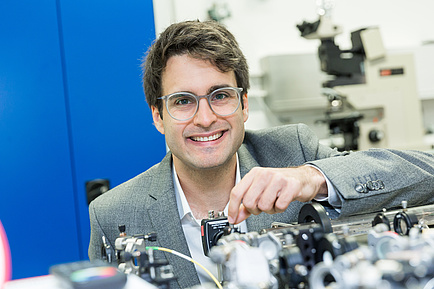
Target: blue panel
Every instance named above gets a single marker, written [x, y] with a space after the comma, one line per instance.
[36, 200]
[112, 127]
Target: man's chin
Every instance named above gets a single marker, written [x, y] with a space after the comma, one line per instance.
[211, 164]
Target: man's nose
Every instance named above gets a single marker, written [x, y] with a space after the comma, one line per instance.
[204, 115]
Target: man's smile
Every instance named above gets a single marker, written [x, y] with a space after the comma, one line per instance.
[207, 138]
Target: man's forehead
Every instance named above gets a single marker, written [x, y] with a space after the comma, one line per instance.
[195, 75]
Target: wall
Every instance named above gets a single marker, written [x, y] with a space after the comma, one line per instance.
[72, 109]
[268, 27]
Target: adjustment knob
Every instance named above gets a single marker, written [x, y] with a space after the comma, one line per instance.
[151, 237]
[376, 135]
[122, 230]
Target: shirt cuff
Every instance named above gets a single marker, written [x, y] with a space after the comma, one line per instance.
[333, 197]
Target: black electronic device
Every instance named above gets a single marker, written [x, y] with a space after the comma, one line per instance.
[213, 229]
[88, 275]
[95, 188]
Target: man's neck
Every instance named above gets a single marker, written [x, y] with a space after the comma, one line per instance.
[207, 189]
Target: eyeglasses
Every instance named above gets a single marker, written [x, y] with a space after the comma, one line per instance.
[184, 105]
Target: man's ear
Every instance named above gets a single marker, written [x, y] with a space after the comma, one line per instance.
[158, 121]
[246, 107]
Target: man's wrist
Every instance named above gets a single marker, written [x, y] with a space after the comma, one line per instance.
[320, 181]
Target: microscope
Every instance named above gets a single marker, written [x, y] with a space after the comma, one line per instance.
[372, 94]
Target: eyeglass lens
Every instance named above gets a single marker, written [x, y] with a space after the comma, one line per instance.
[183, 105]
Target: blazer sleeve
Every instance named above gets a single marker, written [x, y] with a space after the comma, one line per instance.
[367, 181]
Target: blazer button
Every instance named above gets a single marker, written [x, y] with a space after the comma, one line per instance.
[361, 188]
[375, 185]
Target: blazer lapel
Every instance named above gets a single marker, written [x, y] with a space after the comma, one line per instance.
[164, 216]
[247, 162]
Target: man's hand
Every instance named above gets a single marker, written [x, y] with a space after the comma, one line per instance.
[271, 190]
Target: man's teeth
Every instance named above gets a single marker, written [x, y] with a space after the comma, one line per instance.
[207, 138]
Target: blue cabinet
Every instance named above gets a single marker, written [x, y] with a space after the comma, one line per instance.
[72, 109]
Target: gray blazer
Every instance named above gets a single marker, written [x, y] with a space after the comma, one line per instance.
[147, 202]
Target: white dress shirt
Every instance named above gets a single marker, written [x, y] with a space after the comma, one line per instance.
[192, 231]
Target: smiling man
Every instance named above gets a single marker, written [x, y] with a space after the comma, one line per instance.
[204, 145]
[196, 82]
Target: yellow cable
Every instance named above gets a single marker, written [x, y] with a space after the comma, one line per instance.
[191, 260]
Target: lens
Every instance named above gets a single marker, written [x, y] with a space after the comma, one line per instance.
[182, 106]
[224, 101]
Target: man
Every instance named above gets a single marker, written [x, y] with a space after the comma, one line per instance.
[196, 81]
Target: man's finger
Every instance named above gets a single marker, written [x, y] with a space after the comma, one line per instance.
[236, 198]
[242, 215]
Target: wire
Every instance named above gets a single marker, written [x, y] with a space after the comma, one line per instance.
[188, 259]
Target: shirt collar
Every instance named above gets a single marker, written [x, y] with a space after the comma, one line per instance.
[185, 213]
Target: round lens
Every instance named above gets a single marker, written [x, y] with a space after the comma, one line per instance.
[224, 101]
[182, 106]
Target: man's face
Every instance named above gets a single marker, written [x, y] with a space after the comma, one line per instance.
[207, 140]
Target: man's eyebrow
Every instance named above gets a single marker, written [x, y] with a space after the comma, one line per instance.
[210, 90]
[214, 87]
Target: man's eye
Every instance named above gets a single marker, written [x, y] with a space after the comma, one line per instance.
[182, 100]
[220, 96]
